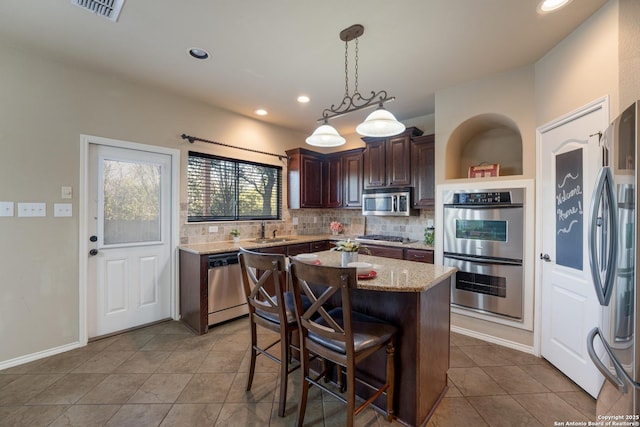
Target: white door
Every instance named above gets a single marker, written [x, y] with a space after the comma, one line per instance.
[129, 238]
[570, 158]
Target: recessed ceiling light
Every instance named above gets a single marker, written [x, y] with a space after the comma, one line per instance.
[546, 6]
[261, 112]
[303, 99]
[198, 53]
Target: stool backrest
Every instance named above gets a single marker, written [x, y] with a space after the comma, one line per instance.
[263, 278]
[326, 288]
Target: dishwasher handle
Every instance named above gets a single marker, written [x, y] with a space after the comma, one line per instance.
[223, 260]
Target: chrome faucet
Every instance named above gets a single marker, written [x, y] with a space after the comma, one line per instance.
[275, 231]
[262, 232]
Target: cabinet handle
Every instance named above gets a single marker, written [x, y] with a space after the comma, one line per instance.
[418, 256]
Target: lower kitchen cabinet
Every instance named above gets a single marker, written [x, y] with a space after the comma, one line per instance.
[385, 251]
[298, 248]
[419, 255]
[409, 254]
[320, 246]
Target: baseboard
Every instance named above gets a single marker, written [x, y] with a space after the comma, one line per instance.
[39, 355]
[494, 340]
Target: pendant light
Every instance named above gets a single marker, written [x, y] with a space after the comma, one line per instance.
[325, 136]
[380, 123]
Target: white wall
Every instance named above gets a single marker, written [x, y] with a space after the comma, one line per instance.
[45, 105]
[581, 68]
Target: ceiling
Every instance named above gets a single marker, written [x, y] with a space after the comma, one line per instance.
[263, 54]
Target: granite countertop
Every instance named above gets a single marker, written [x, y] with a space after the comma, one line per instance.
[393, 275]
[230, 246]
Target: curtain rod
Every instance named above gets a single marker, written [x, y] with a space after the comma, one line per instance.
[192, 139]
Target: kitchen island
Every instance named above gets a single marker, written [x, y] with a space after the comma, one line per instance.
[416, 298]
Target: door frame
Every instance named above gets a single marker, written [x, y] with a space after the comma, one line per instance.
[83, 244]
[598, 104]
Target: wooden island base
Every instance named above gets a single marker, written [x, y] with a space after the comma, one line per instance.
[422, 349]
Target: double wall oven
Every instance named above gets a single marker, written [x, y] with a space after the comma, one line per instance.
[484, 240]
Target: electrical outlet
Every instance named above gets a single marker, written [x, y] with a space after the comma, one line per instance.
[315, 219]
[295, 220]
[213, 229]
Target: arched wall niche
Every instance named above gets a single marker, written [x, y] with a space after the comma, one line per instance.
[484, 139]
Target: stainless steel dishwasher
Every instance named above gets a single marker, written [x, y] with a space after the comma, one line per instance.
[226, 294]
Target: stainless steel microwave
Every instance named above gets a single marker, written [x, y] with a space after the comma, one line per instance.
[387, 202]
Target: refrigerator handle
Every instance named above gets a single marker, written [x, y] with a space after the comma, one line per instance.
[605, 227]
[616, 380]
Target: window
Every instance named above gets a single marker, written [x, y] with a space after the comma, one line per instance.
[222, 189]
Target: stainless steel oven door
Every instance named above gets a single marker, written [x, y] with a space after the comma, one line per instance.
[487, 285]
[487, 231]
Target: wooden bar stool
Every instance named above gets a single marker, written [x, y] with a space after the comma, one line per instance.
[271, 307]
[338, 334]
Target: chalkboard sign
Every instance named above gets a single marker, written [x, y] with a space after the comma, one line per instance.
[569, 209]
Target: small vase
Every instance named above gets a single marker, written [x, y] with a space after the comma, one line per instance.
[236, 239]
[348, 257]
[334, 232]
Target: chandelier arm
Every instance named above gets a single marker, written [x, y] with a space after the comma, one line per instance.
[355, 102]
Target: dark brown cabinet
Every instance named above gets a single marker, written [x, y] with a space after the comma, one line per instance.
[352, 176]
[419, 255]
[305, 178]
[319, 246]
[422, 168]
[385, 251]
[387, 161]
[333, 181]
[298, 248]
[325, 180]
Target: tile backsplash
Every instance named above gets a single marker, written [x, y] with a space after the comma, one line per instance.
[309, 221]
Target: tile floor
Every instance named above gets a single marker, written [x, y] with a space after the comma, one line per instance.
[163, 375]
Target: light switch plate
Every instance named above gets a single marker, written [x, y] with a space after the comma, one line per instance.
[6, 208]
[213, 229]
[295, 220]
[62, 209]
[32, 209]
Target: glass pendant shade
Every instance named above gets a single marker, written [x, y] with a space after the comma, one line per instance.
[325, 136]
[380, 123]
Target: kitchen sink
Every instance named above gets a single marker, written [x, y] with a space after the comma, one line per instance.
[273, 240]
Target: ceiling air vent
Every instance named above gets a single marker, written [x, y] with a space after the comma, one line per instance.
[109, 9]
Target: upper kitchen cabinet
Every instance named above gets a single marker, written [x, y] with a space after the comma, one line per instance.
[343, 179]
[305, 171]
[333, 182]
[352, 178]
[325, 180]
[387, 161]
[422, 171]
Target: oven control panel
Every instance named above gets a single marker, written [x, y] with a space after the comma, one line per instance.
[482, 198]
[511, 196]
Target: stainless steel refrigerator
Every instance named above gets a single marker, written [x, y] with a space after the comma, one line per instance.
[613, 243]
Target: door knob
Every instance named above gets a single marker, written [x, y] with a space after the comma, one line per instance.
[545, 257]
[93, 252]
[93, 238]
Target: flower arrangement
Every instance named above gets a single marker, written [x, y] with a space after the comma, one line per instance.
[235, 232]
[336, 227]
[347, 246]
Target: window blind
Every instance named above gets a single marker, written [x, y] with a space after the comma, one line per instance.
[223, 189]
